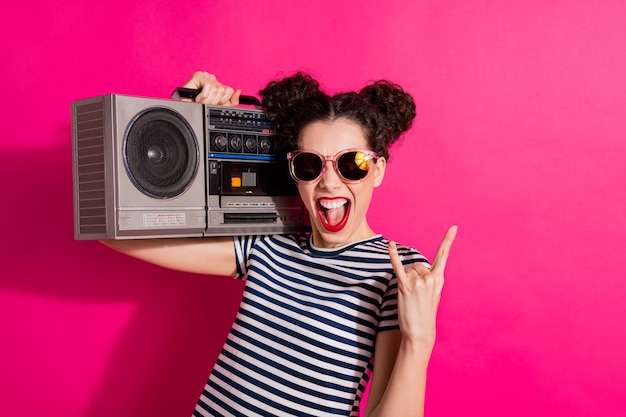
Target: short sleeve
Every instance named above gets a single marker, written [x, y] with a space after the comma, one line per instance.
[243, 249]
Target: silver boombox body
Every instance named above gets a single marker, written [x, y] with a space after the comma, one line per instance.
[153, 168]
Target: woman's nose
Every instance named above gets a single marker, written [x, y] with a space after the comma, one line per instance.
[330, 180]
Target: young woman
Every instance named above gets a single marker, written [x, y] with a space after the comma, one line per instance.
[319, 309]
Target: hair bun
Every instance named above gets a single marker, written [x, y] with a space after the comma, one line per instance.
[280, 97]
[292, 102]
[395, 109]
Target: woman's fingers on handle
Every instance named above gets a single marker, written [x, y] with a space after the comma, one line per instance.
[212, 91]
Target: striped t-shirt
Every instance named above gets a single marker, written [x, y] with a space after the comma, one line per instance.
[303, 339]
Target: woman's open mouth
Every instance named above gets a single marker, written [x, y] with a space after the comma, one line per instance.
[333, 212]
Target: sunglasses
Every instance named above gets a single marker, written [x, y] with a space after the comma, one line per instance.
[352, 165]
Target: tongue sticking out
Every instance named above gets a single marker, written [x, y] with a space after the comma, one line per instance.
[334, 216]
[333, 213]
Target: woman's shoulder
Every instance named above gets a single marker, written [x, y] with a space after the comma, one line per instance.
[299, 239]
[408, 254]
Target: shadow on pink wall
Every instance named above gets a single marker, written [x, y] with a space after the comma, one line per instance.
[116, 336]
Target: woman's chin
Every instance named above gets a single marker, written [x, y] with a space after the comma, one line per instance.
[323, 238]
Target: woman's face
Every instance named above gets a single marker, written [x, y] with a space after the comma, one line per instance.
[337, 209]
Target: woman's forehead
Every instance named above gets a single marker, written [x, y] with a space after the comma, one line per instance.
[332, 136]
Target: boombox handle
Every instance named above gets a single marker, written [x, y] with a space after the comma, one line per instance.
[191, 93]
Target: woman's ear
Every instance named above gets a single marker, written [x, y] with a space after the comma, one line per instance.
[379, 170]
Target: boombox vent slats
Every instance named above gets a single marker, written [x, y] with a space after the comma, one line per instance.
[90, 162]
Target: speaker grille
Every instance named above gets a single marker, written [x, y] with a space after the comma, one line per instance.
[89, 165]
[160, 153]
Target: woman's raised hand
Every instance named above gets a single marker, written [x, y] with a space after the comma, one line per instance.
[419, 292]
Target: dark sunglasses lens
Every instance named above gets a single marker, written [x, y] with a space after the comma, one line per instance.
[306, 166]
[353, 166]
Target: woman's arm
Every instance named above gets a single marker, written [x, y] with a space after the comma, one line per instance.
[401, 359]
[212, 256]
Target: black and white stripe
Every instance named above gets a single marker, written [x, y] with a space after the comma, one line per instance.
[303, 339]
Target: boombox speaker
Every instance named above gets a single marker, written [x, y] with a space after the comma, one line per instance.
[135, 165]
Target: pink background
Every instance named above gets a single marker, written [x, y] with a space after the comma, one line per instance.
[520, 139]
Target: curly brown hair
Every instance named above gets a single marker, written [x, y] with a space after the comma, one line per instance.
[382, 109]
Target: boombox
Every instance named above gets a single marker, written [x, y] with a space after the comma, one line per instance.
[153, 168]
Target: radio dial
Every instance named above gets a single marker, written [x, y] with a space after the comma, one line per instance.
[251, 144]
[265, 145]
[220, 142]
[235, 143]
